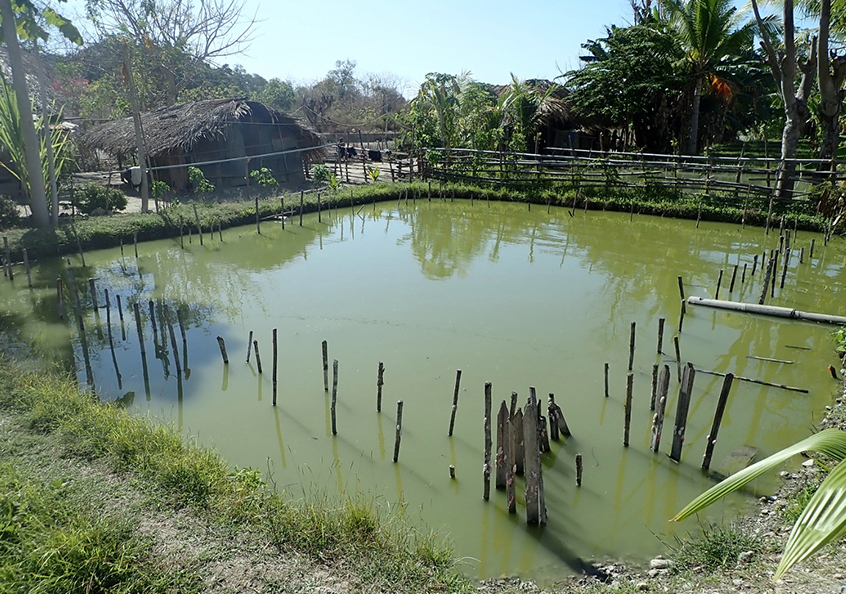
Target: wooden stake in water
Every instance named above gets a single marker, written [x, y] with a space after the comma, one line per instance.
[685, 391]
[486, 469]
[120, 308]
[628, 409]
[302, 194]
[399, 432]
[733, 278]
[249, 345]
[801, 255]
[718, 418]
[334, 393]
[379, 383]
[197, 217]
[275, 353]
[579, 467]
[606, 380]
[682, 312]
[93, 290]
[719, 282]
[138, 328]
[632, 345]
[660, 406]
[678, 355]
[454, 401]
[743, 274]
[258, 356]
[811, 253]
[29, 272]
[784, 269]
[108, 315]
[520, 449]
[135, 242]
[511, 466]
[766, 284]
[222, 345]
[681, 288]
[535, 503]
[654, 386]
[754, 265]
[502, 437]
[660, 335]
[319, 219]
[325, 349]
[557, 422]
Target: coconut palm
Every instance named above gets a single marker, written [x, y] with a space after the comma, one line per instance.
[529, 105]
[440, 93]
[824, 518]
[709, 31]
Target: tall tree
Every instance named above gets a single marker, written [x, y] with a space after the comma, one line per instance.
[709, 31]
[23, 19]
[831, 73]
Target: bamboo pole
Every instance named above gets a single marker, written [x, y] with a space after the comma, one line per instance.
[398, 436]
[654, 390]
[660, 335]
[678, 356]
[719, 282]
[26, 265]
[325, 349]
[632, 345]
[733, 278]
[454, 401]
[258, 356]
[606, 380]
[486, 469]
[628, 409]
[275, 353]
[740, 378]
[302, 195]
[380, 374]
[249, 345]
[222, 345]
[138, 328]
[335, 395]
[579, 468]
[200, 227]
[711, 440]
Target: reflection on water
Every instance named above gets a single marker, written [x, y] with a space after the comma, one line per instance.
[515, 297]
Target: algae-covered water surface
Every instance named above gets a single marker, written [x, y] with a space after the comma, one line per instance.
[512, 296]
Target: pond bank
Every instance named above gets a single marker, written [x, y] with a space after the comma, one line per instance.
[122, 229]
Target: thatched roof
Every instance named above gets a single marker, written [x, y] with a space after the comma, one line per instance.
[181, 127]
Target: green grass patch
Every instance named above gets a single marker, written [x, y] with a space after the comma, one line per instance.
[716, 546]
[384, 552]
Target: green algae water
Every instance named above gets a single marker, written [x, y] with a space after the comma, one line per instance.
[512, 296]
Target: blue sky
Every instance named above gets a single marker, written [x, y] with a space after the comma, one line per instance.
[531, 38]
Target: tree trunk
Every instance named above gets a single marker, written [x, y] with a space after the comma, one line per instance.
[139, 132]
[35, 175]
[831, 75]
[48, 143]
[789, 143]
[693, 132]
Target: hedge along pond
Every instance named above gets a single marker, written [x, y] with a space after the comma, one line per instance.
[509, 295]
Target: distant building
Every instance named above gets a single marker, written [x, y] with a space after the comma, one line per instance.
[213, 135]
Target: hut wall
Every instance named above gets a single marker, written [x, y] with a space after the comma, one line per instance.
[176, 178]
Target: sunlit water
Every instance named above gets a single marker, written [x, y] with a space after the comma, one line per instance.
[516, 297]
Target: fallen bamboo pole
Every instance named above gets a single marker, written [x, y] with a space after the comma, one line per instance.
[740, 378]
[771, 360]
[768, 310]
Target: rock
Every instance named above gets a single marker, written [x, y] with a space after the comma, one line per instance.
[659, 563]
[745, 556]
[809, 463]
[641, 586]
[784, 474]
[737, 582]
[654, 573]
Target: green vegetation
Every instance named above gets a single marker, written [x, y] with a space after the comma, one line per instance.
[716, 547]
[823, 519]
[840, 342]
[264, 178]
[92, 197]
[199, 182]
[320, 173]
[9, 215]
[101, 232]
[383, 553]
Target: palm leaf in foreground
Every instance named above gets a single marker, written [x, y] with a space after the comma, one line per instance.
[823, 519]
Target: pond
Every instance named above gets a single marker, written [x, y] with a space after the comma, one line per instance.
[514, 296]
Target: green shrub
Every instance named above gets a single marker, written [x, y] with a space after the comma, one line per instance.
[199, 181]
[91, 197]
[320, 173]
[9, 216]
[264, 178]
[159, 189]
[717, 546]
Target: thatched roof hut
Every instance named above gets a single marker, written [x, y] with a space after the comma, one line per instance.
[215, 135]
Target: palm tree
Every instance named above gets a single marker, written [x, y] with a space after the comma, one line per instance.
[440, 93]
[527, 106]
[709, 31]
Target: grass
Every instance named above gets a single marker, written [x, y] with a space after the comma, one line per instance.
[382, 552]
[718, 546]
[114, 230]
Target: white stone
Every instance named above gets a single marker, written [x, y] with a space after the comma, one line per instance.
[745, 556]
[809, 463]
[659, 563]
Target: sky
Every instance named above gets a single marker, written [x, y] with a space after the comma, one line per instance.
[301, 40]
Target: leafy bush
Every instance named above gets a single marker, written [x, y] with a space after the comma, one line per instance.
[91, 197]
[9, 216]
[839, 336]
[264, 178]
[159, 189]
[320, 173]
[199, 181]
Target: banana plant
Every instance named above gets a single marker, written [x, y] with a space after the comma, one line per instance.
[824, 518]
